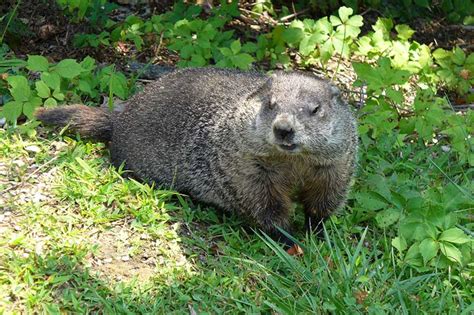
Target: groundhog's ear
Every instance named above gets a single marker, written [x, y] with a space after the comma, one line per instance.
[262, 91]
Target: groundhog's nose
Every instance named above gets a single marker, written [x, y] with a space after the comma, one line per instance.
[283, 130]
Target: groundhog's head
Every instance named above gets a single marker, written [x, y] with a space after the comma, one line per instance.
[302, 114]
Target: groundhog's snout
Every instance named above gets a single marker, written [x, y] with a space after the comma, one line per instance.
[283, 130]
[284, 133]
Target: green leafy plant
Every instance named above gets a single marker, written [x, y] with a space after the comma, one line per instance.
[198, 41]
[237, 56]
[316, 41]
[66, 81]
[456, 70]
[95, 11]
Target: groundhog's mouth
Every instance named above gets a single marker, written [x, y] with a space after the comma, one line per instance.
[288, 147]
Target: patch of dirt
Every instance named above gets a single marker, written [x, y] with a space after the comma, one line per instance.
[122, 252]
[442, 35]
[113, 259]
[23, 180]
[42, 29]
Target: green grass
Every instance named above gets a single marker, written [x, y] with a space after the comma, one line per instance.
[75, 211]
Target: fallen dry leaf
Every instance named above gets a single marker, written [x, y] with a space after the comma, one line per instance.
[329, 261]
[361, 296]
[295, 250]
[464, 73]
[46, 31]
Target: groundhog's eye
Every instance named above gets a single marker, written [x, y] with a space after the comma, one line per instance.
[315, 109]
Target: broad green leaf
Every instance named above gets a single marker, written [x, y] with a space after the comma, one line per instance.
[249, 47]
[19, 89]
[226, 51]
[58, 95]
[323, 26]
[355, 21]
[450, 251]
[340, 45]
[344, 13]
[383, 25]
[118, 85]
[30, 106]
[441, 53]
[243, 61]
[308, 24]
[204, 43]
[351, 32]
[88, 64]
[186, 51]
[84, 86]
[293, 35]
[413, 256]
[50, 102]
[335, 21]
[68, 68]
[364, 46]
[418, 230]
[51, 79]
[395, 95]
[12, 110]
[459, 56]
[42, 89]
[235, 46]
[454, 235]
[404, 31]
[37, 63]
[387, 217]
[400, 54]
[197, 60]
[370, 201]
[428, 249]
[368, 74]
[423, 3]
[308, 44]
[399, 243]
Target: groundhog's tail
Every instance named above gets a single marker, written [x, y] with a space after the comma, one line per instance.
[89, 122]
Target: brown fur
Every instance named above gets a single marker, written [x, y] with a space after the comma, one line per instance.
[90, 122]
[241, 141]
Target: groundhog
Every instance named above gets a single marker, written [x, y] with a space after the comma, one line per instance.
[242, 141]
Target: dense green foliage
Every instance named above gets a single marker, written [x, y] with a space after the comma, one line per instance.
[412, 203]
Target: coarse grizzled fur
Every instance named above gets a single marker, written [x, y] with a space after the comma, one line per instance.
[242, 141]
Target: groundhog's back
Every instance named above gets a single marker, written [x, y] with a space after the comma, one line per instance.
[167, 133]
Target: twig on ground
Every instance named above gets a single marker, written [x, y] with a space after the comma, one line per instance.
[465, 27]
[288, 17]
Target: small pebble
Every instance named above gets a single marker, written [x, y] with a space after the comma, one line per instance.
[144, 236]
[108, 260]
[125, 258]
[33, 148]
[18, 163]
[445, 148]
